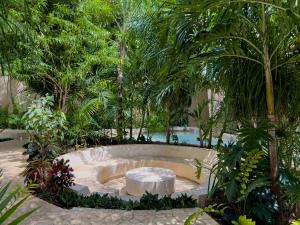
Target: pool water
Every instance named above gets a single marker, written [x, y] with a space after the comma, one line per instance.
[184, 137]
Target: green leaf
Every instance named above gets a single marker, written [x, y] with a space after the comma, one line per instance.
[296, 222]
[192, 218]
[3, 191]
[260, 182]
[22, 217]
[231, 190]
[11, 210]
[7, 200]
[244, 221]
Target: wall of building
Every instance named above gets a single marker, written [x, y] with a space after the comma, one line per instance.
[200, 98]
[10, 89]
[204, 97]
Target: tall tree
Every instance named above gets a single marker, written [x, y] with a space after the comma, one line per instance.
[256, 35]
[70, 45]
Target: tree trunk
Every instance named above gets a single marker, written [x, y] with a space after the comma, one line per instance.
[224, 127]
[211, 116]
[168, 134]
[168, 131]
[142, 123]
[272, 120]
[131, 116]
[10, 91]
[120, 77]
[64, 100]
[200, 137]
[270, 104]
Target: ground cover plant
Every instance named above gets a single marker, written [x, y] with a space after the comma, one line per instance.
[148, 201]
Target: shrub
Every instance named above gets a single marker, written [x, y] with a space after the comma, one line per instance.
[71, 199]
[45, 126]
[36, 172]
[60, 177]
[50, 178]
[3, 118]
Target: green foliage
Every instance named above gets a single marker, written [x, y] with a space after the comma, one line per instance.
[198, 168]
[154, 124]
[288, 139]
[11, 118]
[295, 222]
[45, 126]
[243, 220]
[247, 167]
[241, 177]
[46, 176]
[148, 201]
[163, 53]
[3, 118]
[236, 173]
[59, 177]
[36, 172]
[9, 204]
[218, 209]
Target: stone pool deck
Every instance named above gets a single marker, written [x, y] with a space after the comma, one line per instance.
[12, 162]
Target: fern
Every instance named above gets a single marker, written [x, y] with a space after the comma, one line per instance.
[247, 167]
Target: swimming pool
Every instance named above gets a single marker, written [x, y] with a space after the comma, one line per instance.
[184, 137]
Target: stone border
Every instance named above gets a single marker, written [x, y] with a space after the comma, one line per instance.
[94, 166]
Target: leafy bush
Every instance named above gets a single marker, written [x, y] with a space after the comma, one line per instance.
[45, 126]
[11, 118]
[14, 119]
[36, 172]
[49, 177]
[241, 176]
[59, 177]
[3, 118]
[71, 199]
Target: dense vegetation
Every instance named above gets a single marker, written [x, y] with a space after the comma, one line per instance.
[102, 68]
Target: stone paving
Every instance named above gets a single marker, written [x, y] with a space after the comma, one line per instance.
[12, 162]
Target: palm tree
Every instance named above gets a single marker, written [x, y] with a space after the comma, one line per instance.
[254, 34]
[124, 15]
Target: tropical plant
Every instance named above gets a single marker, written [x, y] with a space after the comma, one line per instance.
[10, 202]
[246, 39]
[197, 114]
[45, 127]
[243, 220]
[59, 177]
[48, 177]
[70, 46]
[240, 177]
[218, 209]
[36, 173]
[198, 168]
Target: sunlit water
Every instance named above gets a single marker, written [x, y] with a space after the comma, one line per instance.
[184, 137]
